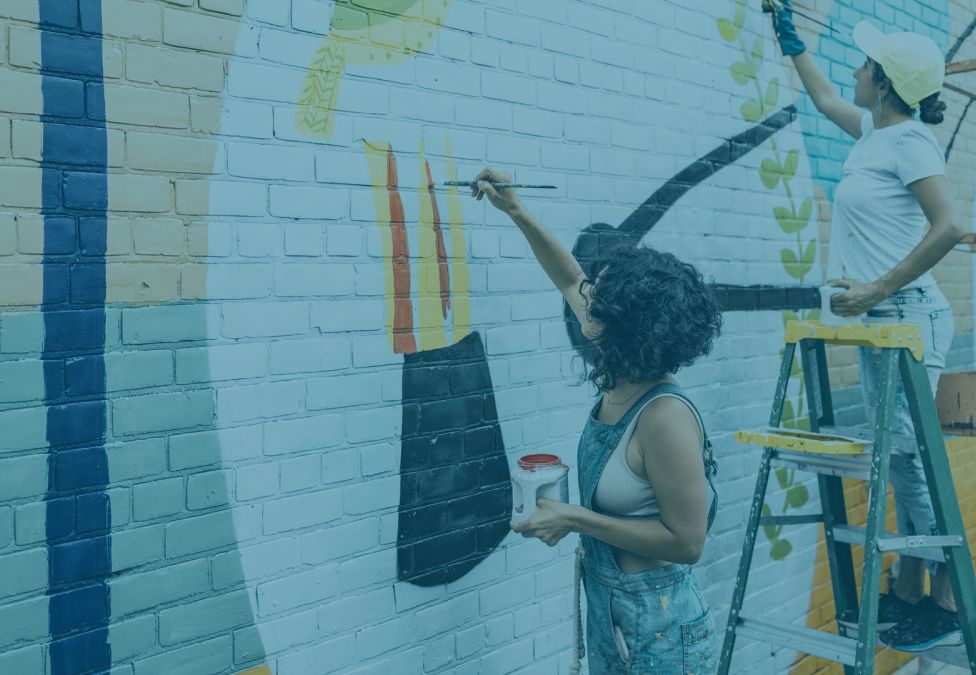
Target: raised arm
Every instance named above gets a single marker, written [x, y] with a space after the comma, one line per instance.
[556, 260]
[825, 95]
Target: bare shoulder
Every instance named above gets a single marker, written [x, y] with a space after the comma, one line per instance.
[668, 423]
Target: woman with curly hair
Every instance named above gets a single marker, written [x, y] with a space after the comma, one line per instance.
[882, 253]
[645, 463]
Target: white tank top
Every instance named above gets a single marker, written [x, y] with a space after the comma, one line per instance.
[620, 491]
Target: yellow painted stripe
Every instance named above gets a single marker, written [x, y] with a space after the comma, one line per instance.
[376, 157]
[460, 279]
[431, 328]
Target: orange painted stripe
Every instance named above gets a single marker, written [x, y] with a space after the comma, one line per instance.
[442, 268]
[403, 338]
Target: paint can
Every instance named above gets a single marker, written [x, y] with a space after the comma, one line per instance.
[539, 475]
[827, 315]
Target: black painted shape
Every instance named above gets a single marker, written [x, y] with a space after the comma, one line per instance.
[962, 118]
[598, 239]
[766, 298]
[961, 40]
[455, 490]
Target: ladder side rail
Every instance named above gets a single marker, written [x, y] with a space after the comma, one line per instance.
[945, 502]
[833, 505]
[752, 527]
[826, 397]
[878, 502]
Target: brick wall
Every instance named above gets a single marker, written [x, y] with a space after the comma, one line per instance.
[259, 385]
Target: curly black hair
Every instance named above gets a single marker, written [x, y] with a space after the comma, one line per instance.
[657, 316]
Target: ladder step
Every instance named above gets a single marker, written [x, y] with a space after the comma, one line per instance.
[910, 546]
[801, 441]
[803, 639]
[847, 466]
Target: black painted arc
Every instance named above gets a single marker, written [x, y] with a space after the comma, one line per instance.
[961, 40]
[74, 208]
[647, 215]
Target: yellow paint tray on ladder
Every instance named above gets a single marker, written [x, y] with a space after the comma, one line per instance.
[802, 441]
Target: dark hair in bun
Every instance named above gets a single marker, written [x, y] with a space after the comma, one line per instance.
[931, 109]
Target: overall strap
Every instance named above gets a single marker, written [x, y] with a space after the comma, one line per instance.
[708, 452]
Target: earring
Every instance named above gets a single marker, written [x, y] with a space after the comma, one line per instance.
[879, 104]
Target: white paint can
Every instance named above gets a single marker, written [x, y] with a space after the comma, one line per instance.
[827, 315]
[539, 475]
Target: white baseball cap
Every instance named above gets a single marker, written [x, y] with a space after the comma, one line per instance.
[914, 63]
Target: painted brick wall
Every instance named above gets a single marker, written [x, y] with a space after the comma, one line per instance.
[259, 386]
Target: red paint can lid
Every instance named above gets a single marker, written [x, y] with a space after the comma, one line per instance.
[539, 461]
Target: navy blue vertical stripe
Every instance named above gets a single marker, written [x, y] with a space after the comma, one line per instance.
[78, 509]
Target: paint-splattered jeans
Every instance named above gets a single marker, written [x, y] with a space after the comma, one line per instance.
[647, 622]
[927, 308]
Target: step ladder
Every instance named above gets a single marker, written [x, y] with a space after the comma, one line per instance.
[833, 453]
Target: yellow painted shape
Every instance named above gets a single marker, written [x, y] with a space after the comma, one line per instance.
[256, 670]
[431, 328]
[388, 42]
[376, 158]
[801, 441]
[883, 335]
[460, 276]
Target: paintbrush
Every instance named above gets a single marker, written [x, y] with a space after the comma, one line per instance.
[772, 5]
[497, 186]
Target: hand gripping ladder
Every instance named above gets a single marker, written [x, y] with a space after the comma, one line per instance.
[832, 457]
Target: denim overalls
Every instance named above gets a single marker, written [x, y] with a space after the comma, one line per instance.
[640, 622]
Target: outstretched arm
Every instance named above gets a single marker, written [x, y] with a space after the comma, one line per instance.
[556, 260]
[824, 94]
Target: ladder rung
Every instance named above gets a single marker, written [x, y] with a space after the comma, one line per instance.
[850, 466]
[851, 534]
[800, 638]
[792, 520]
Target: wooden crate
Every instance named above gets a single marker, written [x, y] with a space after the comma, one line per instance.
[956, 401]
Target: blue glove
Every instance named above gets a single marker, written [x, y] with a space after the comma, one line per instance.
[789, 40]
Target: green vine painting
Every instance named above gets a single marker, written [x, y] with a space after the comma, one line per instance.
[776, 173]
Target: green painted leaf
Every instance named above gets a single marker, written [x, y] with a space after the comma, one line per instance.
[787, 220]
[792, 265]
[782, 477]
[742, 73]
[810, 252]
[788, 416]
[729, 31]
[740, 13]
[751, 111]
[771, 531]
[797, 496]
[769, 173]
[781, 549]
[806, 210]
[792, 158]
[813, 315]
[757, 50]
[788, 316]
[772, 93]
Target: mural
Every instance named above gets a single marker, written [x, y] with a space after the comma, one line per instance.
[281, 372]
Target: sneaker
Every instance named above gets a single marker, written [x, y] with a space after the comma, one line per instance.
[891, 611]
[927, 627]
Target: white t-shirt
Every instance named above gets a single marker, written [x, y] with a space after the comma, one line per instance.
[877, 220]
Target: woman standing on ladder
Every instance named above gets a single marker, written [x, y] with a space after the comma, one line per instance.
[645, 462]
[894, 180]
